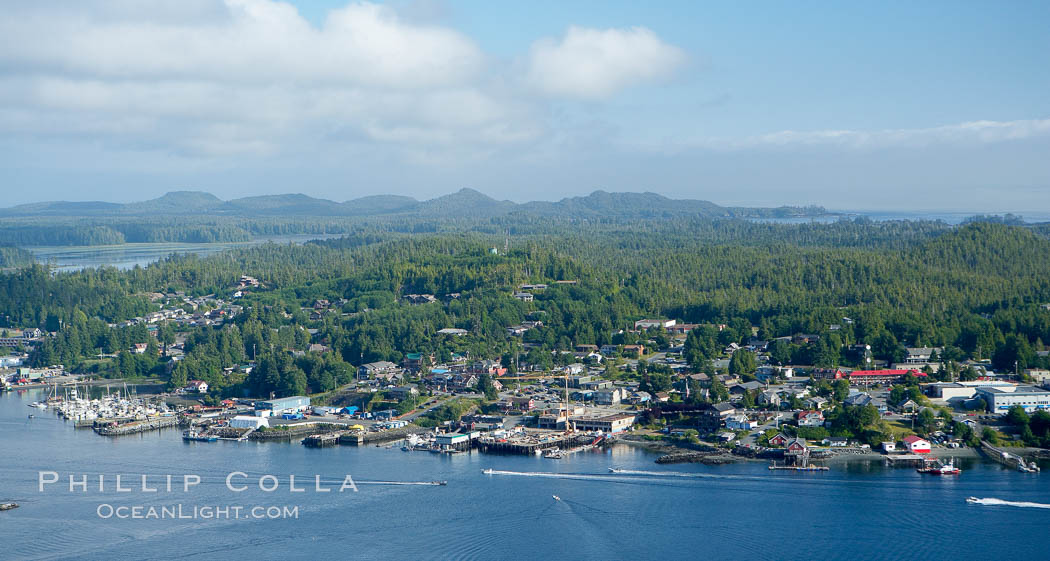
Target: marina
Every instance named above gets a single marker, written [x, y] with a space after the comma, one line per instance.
[392, 483]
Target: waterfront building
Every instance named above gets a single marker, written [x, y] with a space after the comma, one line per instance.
[281, 406]
[916, 445]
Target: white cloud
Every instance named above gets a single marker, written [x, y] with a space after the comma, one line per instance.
[224, 77]
[968, 133]
[596, 63]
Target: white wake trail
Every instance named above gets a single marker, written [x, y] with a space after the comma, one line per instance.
[1001, 502]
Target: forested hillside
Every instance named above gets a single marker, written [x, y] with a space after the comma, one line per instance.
[976, 290]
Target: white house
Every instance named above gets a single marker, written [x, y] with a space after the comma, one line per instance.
[740, 422]
[917, 445]
[199, 386]
[810, 419]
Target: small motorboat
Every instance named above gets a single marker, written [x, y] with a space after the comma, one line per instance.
[8, 506]
[487, 471]
[972, 500]
[31, 416]
[556, 497]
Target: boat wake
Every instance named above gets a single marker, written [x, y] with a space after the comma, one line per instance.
[1001, 502]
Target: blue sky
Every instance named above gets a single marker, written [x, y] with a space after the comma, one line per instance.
[920, 105]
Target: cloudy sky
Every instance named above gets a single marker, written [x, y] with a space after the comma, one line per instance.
[853, 105]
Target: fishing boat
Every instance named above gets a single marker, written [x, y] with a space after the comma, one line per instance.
[553, 454]
[941, 469]
[198, 436]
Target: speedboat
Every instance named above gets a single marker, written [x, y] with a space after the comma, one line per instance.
[972, 500]
[487, 471]
[556, 497]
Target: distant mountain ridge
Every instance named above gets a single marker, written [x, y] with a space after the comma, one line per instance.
[465, 203]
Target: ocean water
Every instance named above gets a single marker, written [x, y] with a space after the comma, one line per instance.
[127, 256]
[740, 511]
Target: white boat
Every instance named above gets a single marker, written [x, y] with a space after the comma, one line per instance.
[487, 471]
[972, 500]
[38, 405]
[556, 497]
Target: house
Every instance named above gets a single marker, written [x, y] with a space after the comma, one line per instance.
[403, 392]
[778, 440]
[816, 402]
[637, 350]
[826, 374]
[921, 354]
[811, 419]
[661, 397]
[796, 446]
[770, 398]
[889, 446]
[741, 389]
[455, 332]
[373, 369]
[916, 445]
[523, 296]
[139, 348]
[586, 348]
[836, 441]
[523, 404]
[726, 437]
[637, 398]
[609, 349]
[740, 422]
[416, 361]
[199, 386]
[858, 399]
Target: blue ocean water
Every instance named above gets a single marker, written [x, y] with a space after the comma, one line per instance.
[740, 511]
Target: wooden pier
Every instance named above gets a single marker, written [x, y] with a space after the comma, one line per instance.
[1008, 459]
[137, 426]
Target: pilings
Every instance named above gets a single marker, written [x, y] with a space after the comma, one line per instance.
[137, 426]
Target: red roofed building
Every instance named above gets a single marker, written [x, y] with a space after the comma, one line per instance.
[860, 377]
[917, 445]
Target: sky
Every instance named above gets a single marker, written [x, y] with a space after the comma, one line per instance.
[931, 105]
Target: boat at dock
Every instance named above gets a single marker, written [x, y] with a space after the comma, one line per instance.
[936, 468]
[553, 454]
[198, 436]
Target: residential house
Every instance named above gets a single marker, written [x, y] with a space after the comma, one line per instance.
[523, 296]
[836, 441]
[779, 439]
[816, 402]
[740, 422]
[199, 386]
[373, 369]
[769, 397]
[403, 392]
[811, 418]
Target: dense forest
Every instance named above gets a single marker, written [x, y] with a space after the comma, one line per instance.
[977, 290]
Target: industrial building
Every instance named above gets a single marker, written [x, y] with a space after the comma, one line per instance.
[280, 406]
[1000, 399]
